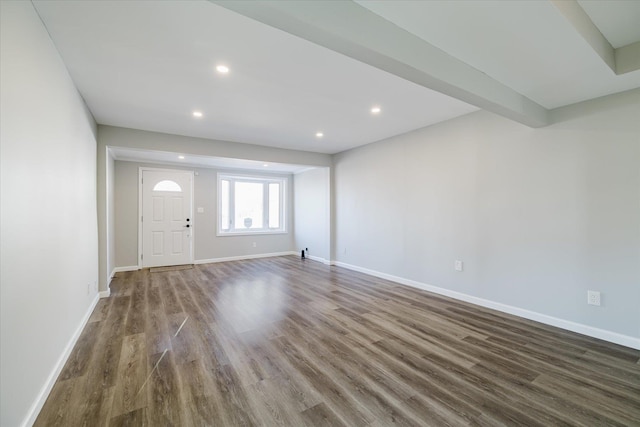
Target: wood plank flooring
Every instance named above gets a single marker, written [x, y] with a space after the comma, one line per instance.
[291, 342]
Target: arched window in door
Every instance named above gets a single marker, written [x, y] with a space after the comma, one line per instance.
[167, 185]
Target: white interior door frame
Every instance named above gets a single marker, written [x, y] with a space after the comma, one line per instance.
[141, 169]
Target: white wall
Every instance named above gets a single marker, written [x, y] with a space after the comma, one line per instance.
[207, 245]
[311, 212]
[538, 216]
[48, 220]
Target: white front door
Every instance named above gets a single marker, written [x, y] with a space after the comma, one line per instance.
[167, 224]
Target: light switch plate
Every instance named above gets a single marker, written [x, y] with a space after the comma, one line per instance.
[200, 210]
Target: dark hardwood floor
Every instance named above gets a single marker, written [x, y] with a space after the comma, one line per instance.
[282, 341]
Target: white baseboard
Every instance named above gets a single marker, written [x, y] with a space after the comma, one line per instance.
[37, 405]
[591, 331]
[319, 259]
[242, 257]
[125, 268]
[105, 294]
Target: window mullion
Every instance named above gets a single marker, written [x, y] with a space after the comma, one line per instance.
[265, 205]
[283, 201]
[232, 204]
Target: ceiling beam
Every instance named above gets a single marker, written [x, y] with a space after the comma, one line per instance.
[577, 17]
[628, 58]
[621, 60]
[352, 30]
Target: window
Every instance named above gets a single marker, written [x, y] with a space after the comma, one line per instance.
[167, 185]
[250, 204]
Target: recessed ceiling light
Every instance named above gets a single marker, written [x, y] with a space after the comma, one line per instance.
[265, 165]
[375, 110]
[181, 157]
[197, 114]
[319, 134]
[222, 69]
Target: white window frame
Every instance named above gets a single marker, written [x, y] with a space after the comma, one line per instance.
[265, 180]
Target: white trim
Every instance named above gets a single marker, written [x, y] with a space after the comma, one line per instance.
[614, 337]
[329, 225]
[249, 233]
[107, 210]
[138, 222]
[123, 269]
[319, 259]
[242, 257]
[37, 405]
[105, 294]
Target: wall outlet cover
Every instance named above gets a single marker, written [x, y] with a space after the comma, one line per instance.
[458, 265]
[593, 298]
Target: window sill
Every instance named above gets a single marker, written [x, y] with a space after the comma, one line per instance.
[249, 233]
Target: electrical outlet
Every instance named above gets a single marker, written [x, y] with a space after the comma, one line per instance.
[593, 297]
[458, 265]
[254, 244]
[88, 288]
